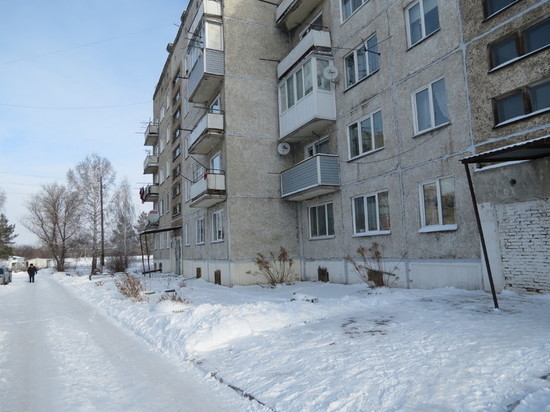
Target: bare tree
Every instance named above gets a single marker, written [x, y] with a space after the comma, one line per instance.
[92, 179]
[124, 237]
[141, 226]
[54, 217]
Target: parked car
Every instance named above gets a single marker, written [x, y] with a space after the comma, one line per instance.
[5, 276]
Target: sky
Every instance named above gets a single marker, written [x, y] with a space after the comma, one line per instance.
[76, 78]
[307, 347]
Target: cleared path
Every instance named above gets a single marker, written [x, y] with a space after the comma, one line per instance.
[57, 353]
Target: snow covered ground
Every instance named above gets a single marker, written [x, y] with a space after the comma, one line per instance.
[327, 347]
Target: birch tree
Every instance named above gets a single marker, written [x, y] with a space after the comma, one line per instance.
[92, 179]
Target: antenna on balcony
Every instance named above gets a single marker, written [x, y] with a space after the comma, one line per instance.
[331, 73]
[283, 148]
[367, 48]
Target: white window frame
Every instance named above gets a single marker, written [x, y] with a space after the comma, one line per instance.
[370, 118]
[199, 231]
[327, 235]
[187, 190]
[352, 11]
[422, 23]
[186, 234]
[368, 232]
[217, 227]
[432, 125]
[439, 227]
[369, 54]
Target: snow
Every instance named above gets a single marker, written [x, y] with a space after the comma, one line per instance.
[326, 347]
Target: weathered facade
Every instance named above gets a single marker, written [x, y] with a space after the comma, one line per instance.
[326, 126]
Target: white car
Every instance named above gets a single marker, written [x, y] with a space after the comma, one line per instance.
[5, 276]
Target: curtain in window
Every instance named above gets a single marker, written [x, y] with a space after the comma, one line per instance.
[359, 209]
[308, 78]
[423, 110]
[350, 69]
[415, 23]
[372, 46]
[366, 135]
[431, 214]
[378, 130]
[384, 211]
[448, 201]
[353, 140]
[371, 213]
[441, 115]
[322, 82]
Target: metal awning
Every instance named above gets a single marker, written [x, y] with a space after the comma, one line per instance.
[528, 150]
[150, 232]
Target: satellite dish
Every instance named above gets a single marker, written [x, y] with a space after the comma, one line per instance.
[283, 148]
[330, 73]
[153, 216]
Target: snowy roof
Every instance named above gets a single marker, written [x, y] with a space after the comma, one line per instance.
[528, 150]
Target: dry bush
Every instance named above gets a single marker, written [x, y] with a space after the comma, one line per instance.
[370, 267]
[99, 283]
[174, 297]
[277, 269]
[130, 286]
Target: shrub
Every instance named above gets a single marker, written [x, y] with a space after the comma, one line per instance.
[174, 297]
[370, 267]
[277, 269]
[130, 286]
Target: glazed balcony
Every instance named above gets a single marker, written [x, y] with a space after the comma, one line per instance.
[290, 13]
[209, 190]
[206, 76]
[151, 165]
[207, 133]
[151, 134]
[312, 177]
[150, 193]
[315, 39]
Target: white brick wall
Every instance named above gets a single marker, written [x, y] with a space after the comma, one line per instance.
[524, 230]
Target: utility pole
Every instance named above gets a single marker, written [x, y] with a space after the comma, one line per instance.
[102, 260]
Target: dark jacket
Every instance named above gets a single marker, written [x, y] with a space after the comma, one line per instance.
[32, 270]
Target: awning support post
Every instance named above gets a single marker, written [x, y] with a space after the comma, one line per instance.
[482, 237]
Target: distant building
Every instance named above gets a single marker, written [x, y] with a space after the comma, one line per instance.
[322, 129]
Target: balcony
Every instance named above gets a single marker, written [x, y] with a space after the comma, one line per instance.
[290, 13]
[209, 190]
[150, 193]
[151, 165]
[207, 134]
[206, 76]
[151, 135]
[314, 40]
[312, 177]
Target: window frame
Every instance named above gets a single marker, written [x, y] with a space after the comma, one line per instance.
[424, 35]
[440, 226]
[368, 55]
[527, 99]
[519, 39]
[312, 148]
[352, 11]
[199, 231]
[218, 234]
[488, 15]
[327, 222]
[187, 242]
[358, 123]
[367, 232]
[432, 126]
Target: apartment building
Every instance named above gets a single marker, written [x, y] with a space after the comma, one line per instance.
[508, 65]
[321, 127]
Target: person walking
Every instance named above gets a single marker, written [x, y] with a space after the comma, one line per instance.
[32, 271]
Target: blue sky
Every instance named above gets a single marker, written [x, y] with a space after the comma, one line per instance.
[77, 77]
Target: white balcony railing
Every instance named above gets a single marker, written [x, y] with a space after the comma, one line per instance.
[150, 164]
[312, 177]
[207, 133]
[290, 13]
[152, 134]
[209, 190]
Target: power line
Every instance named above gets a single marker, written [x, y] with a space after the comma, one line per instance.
[114, 106]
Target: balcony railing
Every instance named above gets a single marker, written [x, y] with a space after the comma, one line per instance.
[290, 13]
[152, 135]
[207, 133]
[315, 39]
[206, 76]
[208, 190]
[151, 165]
[312, 177]
[150, 193]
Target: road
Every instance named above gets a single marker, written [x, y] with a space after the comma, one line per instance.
[58, 353]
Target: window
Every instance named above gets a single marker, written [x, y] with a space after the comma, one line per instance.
[520, 44]
[215, 163]
[176, 209]
[216, 106]
[315, 24]
[217, 227]
[493, 6]
[321, 221]
[199, 225]
[361, 62]
[176, 134]
[522, 102]
[319, 146]
[350, 6]
[366, 135]
[176, 189]
[176, 171]
[300, 83]
[422, 20]
[186, 234]
[371, 214]
[430, 106]
[437, 200]
[187, 189]
[176, 152]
